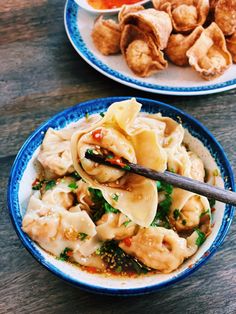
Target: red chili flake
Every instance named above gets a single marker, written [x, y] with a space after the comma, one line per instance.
[91, 269]
[213, 209]
[212, 226]
[97, 135]
[116, 161]
[127, 241]
[206, 254]
[69, 253]
[190, 266]
[36, 181]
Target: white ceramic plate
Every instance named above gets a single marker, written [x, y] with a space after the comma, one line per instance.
[172, 81]
[84, 4]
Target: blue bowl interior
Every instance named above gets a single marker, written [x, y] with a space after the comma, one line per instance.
[73, 114]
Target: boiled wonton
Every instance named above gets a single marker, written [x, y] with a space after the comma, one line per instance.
[160, 248]
[55, 154]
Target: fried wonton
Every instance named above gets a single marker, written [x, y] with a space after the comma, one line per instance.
[225, 16]
[209, 55]
[152, 22]
[126, 9]
[179, 44]
[140, 52]
[231, 45]
[106, 36]
[186, 15]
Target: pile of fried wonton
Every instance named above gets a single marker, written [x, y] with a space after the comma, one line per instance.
[199, 33]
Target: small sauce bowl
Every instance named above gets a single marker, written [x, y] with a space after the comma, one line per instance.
[86, 6]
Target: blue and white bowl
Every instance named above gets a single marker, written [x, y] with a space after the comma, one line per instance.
[23, 174]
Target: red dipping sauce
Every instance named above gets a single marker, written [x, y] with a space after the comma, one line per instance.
[109, 4]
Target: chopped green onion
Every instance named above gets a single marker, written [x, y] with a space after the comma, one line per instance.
[176, 214]
[126, 223]
[50, 184]
[65, 255]
[115, 197]
[90, 151]
[184, 222]
[102, 114]
[82, 236]
[86, 115]
[73, 185]
[75, 175]
[201, 237]
[126, 167]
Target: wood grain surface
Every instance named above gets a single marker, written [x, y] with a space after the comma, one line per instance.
[41, 74]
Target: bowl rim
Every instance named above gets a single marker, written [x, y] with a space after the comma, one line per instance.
[223, 230]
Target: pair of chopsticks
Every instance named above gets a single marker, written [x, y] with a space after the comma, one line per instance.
[177, 180]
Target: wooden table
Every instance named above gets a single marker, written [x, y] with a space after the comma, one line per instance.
[41, 74]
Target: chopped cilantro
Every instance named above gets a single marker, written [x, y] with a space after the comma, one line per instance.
[184, 222]
[65, 255]
[82, 236]
[101, 206]
[207, 212]
[212, 202]
[176, 214]
[98, 251]
[109, 209]
[75, 175]
[102, 114]
[126, 223]
[73, 185]
[201, 237]
[166, 187]
[37, 185]
[116, 258]
[126, 167]
[115, 197]
[109, 157]
[172, 170]
[86, 115]
[50, 184]
[119, 269]
[90, 151]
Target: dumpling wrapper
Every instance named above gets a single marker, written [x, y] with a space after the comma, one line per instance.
[231, 45]
[160, 248]
[152, 22]
[138, 197]
[106, 36]
[140, 52]
[55, 154]
[209, 55]
[186, 15]
[179, 44]
[126, 9]
[194, 211]
[54, 228]
[225, 16]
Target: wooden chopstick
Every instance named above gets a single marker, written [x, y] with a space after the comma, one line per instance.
[177, 180]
